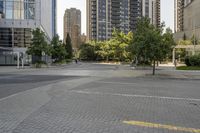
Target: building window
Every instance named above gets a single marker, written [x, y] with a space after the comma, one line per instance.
[17, 9]
[9, 9]
[17, 37]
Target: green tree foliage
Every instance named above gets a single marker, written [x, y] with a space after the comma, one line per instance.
[58, 49]
[185, 42]
[193, 60]
[182, 52]
[87, 51]
[120, 44]
[104, 50]
[194, 40]
[39, 45]
[68, 47]
[167, 43]
[149, 44]
[117, 48]
[184, 37]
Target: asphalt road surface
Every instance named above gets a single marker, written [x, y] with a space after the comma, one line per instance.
[96, 98]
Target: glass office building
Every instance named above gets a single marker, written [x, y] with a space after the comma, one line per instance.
[11, 10]
[17, 9]
[19, 17]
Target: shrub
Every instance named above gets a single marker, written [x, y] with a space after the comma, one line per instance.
[193, 60]
[187, 61]
[39, 64]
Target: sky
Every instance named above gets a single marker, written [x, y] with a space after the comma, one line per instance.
[167, 13]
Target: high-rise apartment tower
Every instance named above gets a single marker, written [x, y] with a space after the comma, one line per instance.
[72, 26]
[105, 15]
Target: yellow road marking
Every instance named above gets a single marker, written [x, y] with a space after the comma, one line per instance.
[168, 127]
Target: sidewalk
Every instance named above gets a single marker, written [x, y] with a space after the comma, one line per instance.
[12, 69]
[169, 70]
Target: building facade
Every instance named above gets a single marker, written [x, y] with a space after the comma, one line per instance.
[156, 12]
[135, 12]
[19, 18]
[105, 15]
[83, 39]
[178, 15]
[191, 21]
[179, 6]
[99, 19]
[187, 2]
[72, 26]
[54, 17]
[120, 15]
[151, 9]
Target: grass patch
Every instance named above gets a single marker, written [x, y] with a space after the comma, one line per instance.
[188, 68]
[60, 62]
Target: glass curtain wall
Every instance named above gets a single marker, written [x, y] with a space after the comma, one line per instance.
[17, 9]
[16, 37]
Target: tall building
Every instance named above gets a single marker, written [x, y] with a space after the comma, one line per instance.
[72, 26]
[105, 15]
[83, 38]
[179, 8]
[191, 20]
[89, 19]
[98, 19]
[120, 15]
[156, 13]
[135, 12]
[54, 17]
[151, 9]
[18, 18]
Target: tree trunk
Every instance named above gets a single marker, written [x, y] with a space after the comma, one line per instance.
[154, 67]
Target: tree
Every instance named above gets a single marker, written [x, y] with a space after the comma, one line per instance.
[119, 44]
[68, 47]
[185, 42]
[39, 45]
[58, 49]
[149, 44]
[104, 50]
[87, 51]
[184, 36]
[168, 43]
[194, 40]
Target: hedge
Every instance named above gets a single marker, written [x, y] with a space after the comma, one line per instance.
[193, 60]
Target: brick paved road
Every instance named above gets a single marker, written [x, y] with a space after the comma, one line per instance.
[109, 104]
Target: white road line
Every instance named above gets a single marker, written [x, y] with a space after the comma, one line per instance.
[139, 96]
[115, 83]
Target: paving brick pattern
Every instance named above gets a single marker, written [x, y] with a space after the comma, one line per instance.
[99, 103]
[103, 112]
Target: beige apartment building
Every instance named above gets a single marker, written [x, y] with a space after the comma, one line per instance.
[178, 15]
[72, 26]
[191, 20]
